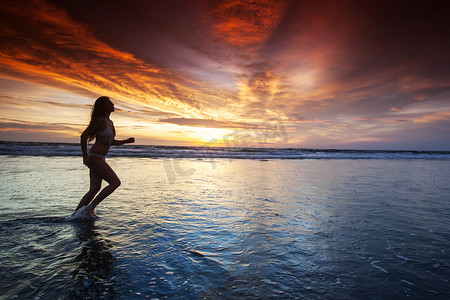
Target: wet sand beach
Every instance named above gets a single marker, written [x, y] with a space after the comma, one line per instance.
[228, 229]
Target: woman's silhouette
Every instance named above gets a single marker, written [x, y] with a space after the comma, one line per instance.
[102, 129]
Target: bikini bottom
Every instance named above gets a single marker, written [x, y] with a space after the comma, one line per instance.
[91, 154]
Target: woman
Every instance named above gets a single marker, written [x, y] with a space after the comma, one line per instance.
[102, 129]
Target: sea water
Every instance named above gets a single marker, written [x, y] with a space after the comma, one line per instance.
[227, 228]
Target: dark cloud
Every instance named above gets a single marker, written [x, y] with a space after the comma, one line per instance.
[19, 125]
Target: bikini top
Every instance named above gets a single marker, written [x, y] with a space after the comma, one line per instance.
[108, 133]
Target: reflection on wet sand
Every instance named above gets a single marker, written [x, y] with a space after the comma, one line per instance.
[277, 229]
[95, 274]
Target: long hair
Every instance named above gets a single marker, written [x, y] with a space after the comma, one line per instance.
[98, 110]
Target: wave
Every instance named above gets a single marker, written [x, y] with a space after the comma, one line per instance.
[67, 149]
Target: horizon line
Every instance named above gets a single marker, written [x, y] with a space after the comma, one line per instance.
[244, 147]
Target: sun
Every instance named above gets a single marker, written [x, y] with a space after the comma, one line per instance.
[204, 136]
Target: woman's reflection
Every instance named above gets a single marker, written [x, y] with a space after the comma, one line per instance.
[95, 275]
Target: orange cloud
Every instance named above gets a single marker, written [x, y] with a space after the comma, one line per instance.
[434, 117]
[244, 23]
[49, 45]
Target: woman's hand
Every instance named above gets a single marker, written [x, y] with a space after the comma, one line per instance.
[121, 142]
[87, 161]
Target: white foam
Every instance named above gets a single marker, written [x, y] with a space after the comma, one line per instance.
[268, 281]
[85, 212]
[379, 268]
[402, 257]
[407, 282]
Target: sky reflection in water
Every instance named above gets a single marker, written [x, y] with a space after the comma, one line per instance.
[233, 229]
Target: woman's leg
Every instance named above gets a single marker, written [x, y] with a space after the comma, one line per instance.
[95, 185]
[102, 170]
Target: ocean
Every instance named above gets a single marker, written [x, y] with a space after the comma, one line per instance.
[65, 149]
[226, 223]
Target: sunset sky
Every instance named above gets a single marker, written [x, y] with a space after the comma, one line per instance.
[310, 74]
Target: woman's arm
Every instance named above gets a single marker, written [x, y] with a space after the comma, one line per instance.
[84, 139]
[121, 142]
